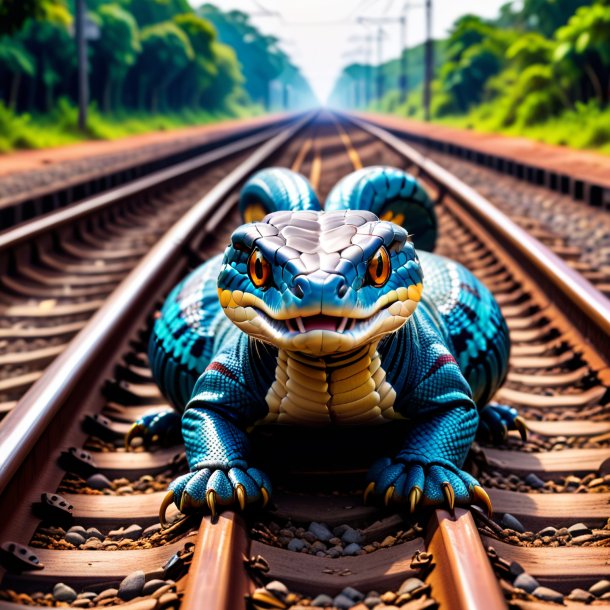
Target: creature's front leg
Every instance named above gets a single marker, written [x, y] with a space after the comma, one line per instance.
[217, 450]
[428, 468]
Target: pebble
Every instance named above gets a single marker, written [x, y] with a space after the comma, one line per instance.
[526, 582]
[77, 529]
[372, 601]
[339, 530]
[93, 544]
[600, 588]
[152, 585]
[322, 601]
[352, 549]
[106, 594]
[353, 594]
[320, 531]
[579, 529]
[150, 530]
[87, 595]
[279, 589]
[81, 603]
[133, 532]
[63, 593]
[93, 532]
[334, 552]
[318, 546]
[548, 531]
[512, 523]
[132, 585]
[548, 595]
[342, 602]
[75, 538]
[296, 544]
[534, 481]
[582, 539]
[516, 568]
[99, 482]
[410, 585]
[351, 536]
[581, 596]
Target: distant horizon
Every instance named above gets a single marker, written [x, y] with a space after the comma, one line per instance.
[316, 36]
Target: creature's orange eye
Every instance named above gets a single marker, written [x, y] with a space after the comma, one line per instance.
[379, 267]
[259, 269]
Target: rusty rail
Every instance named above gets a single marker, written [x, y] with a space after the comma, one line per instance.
[68, 215]
[588, 307]
[217, 578]
[462, 578]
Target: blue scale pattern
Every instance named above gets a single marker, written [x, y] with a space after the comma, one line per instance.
[444, 364]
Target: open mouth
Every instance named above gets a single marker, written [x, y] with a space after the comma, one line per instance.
[321, 322]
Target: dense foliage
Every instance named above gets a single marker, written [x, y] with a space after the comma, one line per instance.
[151, 56]
[538, 62]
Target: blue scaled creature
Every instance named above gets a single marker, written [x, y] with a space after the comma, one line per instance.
[324, 318]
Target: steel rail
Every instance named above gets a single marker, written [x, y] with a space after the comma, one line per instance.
[462, 578]
[217, 578]
[560, 280]
[25, 424]
[67, 215]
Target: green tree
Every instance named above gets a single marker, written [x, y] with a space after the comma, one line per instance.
[49, 43]
[166, 51]
[15, 60]
[115, 52]
[227, 82]
[148, 12]
[583, 46]
[198, 76]
[475, 52]
[14, 13]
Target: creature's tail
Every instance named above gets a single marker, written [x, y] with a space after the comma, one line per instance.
[391, 194]
[274, 189]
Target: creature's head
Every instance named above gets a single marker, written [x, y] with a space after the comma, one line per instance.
[318, 282]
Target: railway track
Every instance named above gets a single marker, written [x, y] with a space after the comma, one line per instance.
[578, 233]
[96, 531]
[58, 269]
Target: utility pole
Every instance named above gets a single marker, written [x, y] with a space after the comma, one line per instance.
[404, 67]
[81, 46]
[380, 34]
[429, 61]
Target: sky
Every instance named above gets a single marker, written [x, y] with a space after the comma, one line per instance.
[319, 34]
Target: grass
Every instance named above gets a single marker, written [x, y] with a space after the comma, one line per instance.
[59, 127]
[585, 128]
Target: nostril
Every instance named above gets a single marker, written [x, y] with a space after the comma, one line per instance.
[297, 290]
[342, 289]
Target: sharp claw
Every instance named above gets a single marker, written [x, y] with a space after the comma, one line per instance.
[240, 492]
[481, 497]
[388, 495]
[370, 488]
[414, 497]
[449, 495]
[265, 495]
[210, 498]
[133, 433]
[167, 500]
[521, 427]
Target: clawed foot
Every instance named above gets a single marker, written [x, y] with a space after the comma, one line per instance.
[427, 484]
[496, 420]
[207, 489]
[157, 428]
